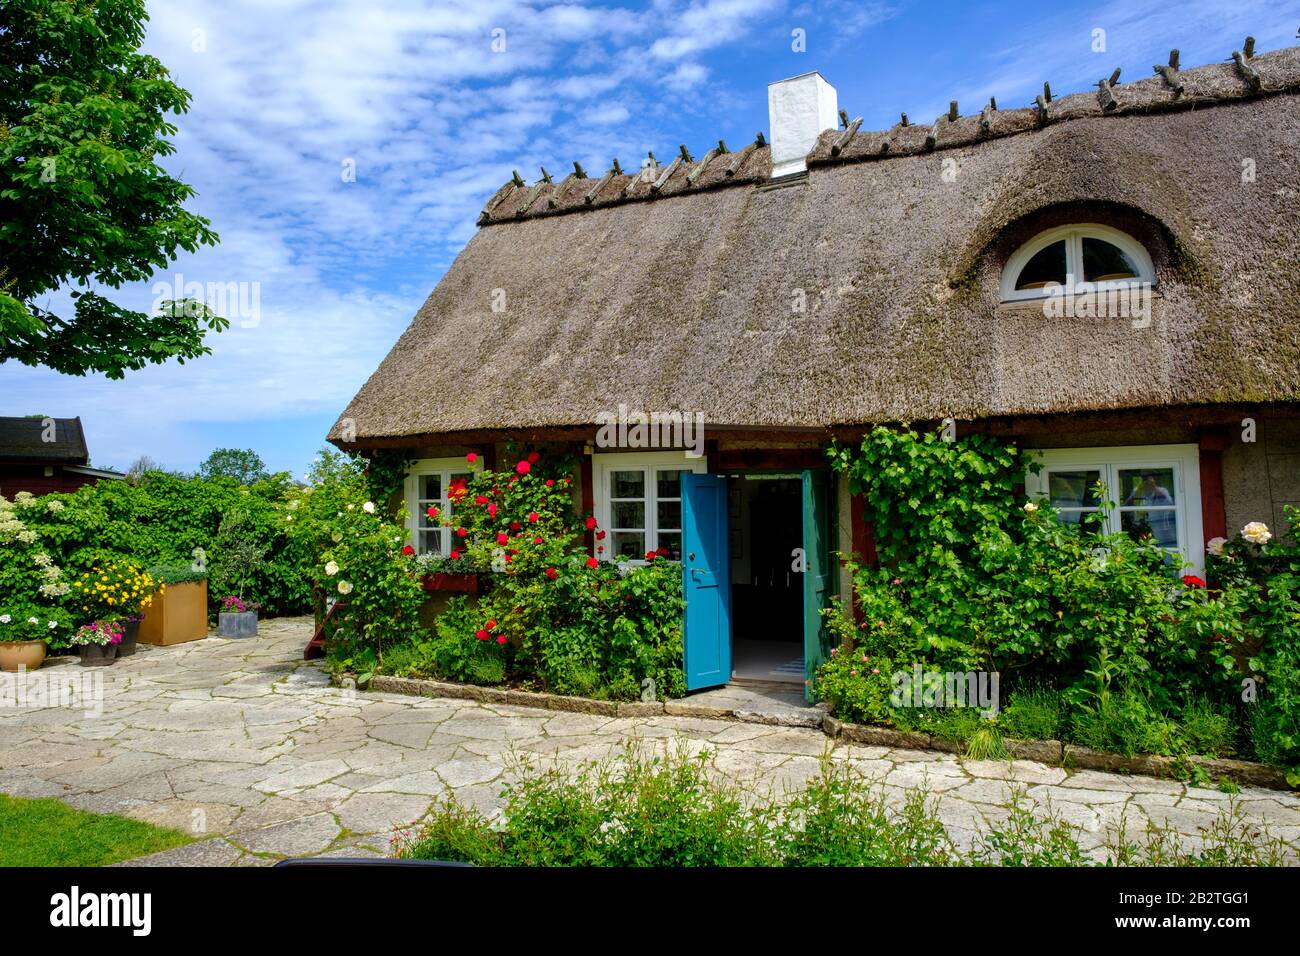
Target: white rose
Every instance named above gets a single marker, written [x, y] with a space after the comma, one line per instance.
[32, 620]
[1257, 533]
[5, 619]
[1215, 546]
[350, 507]
[1030, 507]
[345, 587]
[332, 569]
[368, 507]
[52, 625]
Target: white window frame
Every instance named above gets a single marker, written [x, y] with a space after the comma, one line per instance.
[1185, 460]
[444, 468]
[650, 463]
[1074, 235]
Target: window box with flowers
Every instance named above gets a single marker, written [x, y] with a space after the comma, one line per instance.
[440, 574]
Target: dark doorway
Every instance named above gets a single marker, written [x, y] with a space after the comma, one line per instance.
[767, 592]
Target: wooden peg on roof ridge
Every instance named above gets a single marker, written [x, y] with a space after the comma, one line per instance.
[546, 177]
[993, 102]
[616, 169]
[952, 111]
[932, 137]
[844, 119]
[904, 121]
[1170, 75]
[518, 180]
[1105, 96]
[722, 147]
[1173, 59]
[1047, 92]
[1044, 114]
[686, 157]
[846, 137]
[1249, 48]
[1114, 77]
[759, 139]
[986, 119]
[1248, 72]
[578, 170]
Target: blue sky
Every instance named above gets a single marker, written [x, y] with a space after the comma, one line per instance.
[290, 93]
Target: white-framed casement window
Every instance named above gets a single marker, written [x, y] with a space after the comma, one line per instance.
[1076, 257]
[427, 483]
[638, 500]
[1156, 490]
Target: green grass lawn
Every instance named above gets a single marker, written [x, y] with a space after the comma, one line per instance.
[50, 833]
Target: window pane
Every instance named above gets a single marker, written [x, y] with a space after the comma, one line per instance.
[1047, 265]
[1105, 262]
[627, 484]
[1161, 525]
[669, 484]
[669, 514]
[1079, 517]
[672, 540]
[1146, 486]
[628, 514]
[430, 541]
[628, 544]
[430, 487]
[1073, 489]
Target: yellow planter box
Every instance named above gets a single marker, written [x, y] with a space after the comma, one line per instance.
[177, 615]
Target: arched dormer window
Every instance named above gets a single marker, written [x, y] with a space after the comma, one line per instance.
[1073, 256]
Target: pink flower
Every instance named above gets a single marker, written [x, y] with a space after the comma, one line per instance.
[471, 458]
[523, 467]
[481, 634]
[501, 639]
[432, 512]
[534, 516]
[503, 538]
[492, 510]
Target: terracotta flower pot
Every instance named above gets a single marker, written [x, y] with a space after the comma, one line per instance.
[97, 655]
[18, 654]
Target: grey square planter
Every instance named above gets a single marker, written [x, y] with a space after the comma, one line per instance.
[237, 624]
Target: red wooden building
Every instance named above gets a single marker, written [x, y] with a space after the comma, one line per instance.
[44, 455]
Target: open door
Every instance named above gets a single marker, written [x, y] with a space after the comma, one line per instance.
[818, 580]
[706, 584]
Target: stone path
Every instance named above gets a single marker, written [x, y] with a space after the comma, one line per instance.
[244, 743]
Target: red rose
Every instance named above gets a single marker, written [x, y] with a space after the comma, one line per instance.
[600, 549]
[471, 458]
[534, 516]
[662, 551]
[480, 500]
[492, 510]
[523, 467]
[502, 537]
[600, 536]
[591, 524]
[651, 555]
[537, 540]
[432, 512]
[533, 457]
[481, 634]
[501, 639]
[408, 550]
[455, 555]
[552, 573]
[1192, 581]
[592, 563]
[550, 482]
[492, 625]
[462, 532]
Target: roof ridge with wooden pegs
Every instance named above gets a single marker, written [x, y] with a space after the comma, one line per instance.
[1242, 75]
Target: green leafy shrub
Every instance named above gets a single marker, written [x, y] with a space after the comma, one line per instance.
[1126, 724]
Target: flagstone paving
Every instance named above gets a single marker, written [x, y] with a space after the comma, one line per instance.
[244, 744]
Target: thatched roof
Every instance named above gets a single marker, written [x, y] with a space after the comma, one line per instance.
[682, 298]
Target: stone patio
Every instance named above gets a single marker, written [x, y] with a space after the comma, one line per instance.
[245, 744]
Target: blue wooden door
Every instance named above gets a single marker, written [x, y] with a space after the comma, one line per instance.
[706, 585]
[819, 574]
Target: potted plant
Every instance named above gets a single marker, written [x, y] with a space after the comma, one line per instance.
[25, 633]
[178, 610]
[97, 642]
[237, 617]
[236, 559]
[118, 590]
[443, 573]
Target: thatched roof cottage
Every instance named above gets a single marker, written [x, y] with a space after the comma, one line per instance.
[1111, 276]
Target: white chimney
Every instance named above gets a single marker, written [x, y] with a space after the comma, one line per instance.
[798, 109]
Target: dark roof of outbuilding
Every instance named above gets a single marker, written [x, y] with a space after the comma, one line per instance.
[686, 302]
[24, 440]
